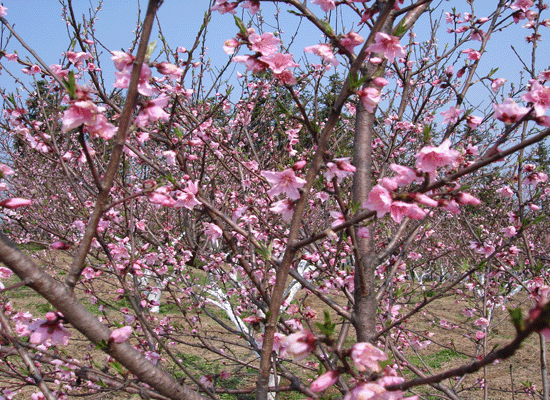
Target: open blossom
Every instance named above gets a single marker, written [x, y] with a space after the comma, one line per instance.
[120, 335]
[539, 95]
[340, 169]
[430, 158]
[509, 112]
[351, 40]
[230, 45]
[497, 83]
[472, 54]
[473, 121]
[266, 44]
[153, 111]
[509, 231]
[505, 191]
[278, 62]
[379, 200]
[339, 218]
[324, 51]
[451, 115]
[522, 5]
[405, 175]
[370, 97]
[284, 207]
[253, 6]
[212, 231]
[122, 79]
[222, 6]
[298, 345]
[78, 113]
[326, 5]
[535, 178]
[387, 45]
[284, 182]
[365, 356]
[400, 209]
[49, 331]
[3, 11]
[251, 63]
[186, 198]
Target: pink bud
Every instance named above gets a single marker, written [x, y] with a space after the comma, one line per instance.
[60, 246]
[298, 165]
[467, 199]
[120, 335]
[298, 345]
[380, 82]
[325, 381]
[14, 202]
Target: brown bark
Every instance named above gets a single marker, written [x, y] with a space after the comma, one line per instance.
[364, 309]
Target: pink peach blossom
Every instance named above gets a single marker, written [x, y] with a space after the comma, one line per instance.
[15, 202]
[284, 207]
[370, 97]
[387, 45]
[326, 5]
[49, 331]
[467, 199]
[365, 356]
[497, 83]
[405, 175]
[266, 44]
[451, 115]
[379, 200]
[351, 40]
[298, 345]
[400, 209]
[324, 381]
[278, 62]
[509, 112]
[284, 182]
[324, 51]
[430, 158]
[120, 335]
[539, 96]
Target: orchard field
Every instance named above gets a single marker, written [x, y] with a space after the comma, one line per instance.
[340, 199]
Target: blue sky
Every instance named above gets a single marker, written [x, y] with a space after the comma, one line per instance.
[39, 22]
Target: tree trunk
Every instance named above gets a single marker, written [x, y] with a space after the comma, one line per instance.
[364, 310]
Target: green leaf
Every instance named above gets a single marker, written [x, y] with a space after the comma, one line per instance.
[150, 49]
[427, 133]
[328, 28]
[70, 85]
[11, 99]
[102, 345]
[400, 30]
[240, 25]
[295, 13]
[265, 252]
[101, 383]
[517, 318]
[326, 328]
[355, 82]
[118, 367]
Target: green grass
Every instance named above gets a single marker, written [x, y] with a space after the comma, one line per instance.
[436, 360]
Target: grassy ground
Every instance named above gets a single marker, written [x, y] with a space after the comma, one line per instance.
[506, 380]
